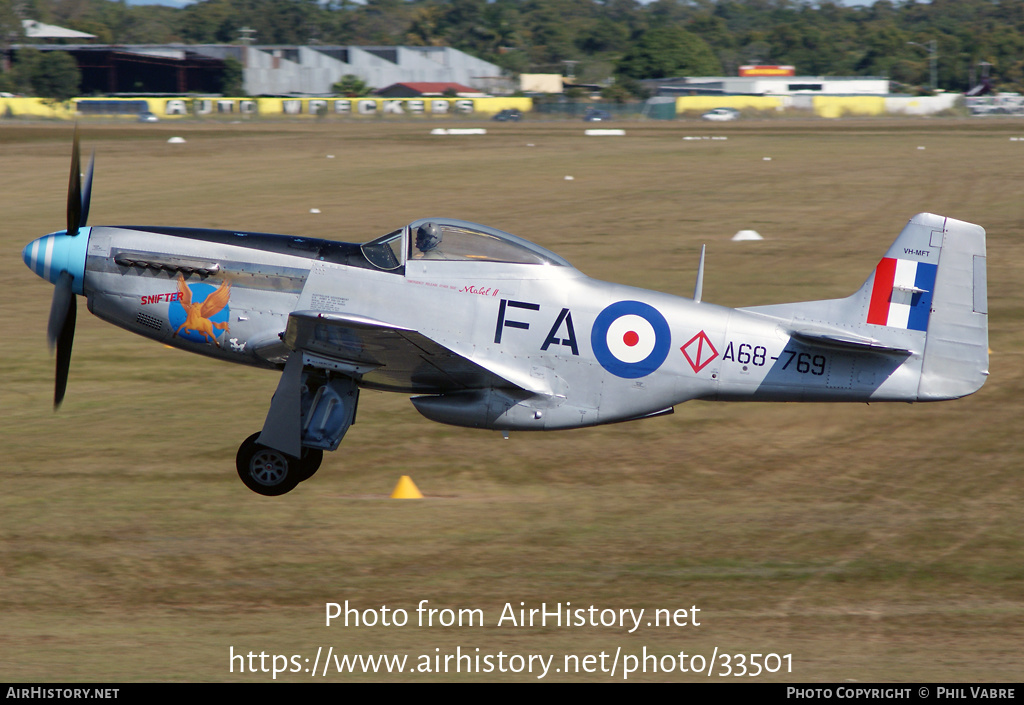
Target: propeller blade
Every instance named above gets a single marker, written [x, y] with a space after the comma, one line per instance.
[64, 341]
[79, 194]
[87, 191]
[60, 331]
[63, 299]
[75, 190]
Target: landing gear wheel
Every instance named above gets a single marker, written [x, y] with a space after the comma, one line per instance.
[267, 471]
[309, 463]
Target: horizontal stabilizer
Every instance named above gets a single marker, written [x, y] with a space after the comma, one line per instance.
[846, 340]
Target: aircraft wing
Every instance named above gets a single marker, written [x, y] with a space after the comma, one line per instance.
[385, 356]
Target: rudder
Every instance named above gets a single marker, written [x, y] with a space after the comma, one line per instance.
[956, 351]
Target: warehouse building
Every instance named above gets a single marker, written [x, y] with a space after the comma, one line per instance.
[271, 70]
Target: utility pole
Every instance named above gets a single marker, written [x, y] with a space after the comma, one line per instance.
[933, 60]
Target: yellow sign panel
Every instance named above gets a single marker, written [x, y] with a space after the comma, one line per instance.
[275, 107]
[338, 107]
[767, 71]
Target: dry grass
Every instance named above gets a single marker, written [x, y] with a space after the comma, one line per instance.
[872, 543]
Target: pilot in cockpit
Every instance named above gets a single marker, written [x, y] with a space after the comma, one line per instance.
[428, 237]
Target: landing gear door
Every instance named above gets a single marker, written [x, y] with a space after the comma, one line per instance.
[327, 411]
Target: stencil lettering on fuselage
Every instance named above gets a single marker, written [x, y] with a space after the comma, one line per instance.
[561, 327]
[565, 317]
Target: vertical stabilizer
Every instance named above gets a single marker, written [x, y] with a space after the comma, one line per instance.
[933, 279]
[927, 299]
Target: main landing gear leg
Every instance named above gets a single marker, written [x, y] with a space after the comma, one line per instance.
[309, 413]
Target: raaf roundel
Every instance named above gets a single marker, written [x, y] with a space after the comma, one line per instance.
[631, 339]
[334, 317]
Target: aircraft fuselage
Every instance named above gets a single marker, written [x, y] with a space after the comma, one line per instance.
[586, 351]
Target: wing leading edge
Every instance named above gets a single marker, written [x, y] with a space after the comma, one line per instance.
[389, 357]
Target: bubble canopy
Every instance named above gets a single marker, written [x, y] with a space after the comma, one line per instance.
[459, 240]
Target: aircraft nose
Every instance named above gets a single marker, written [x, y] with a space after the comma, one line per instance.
[52, 254]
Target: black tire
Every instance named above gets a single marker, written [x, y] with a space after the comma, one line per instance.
[309, 463]
[266, 471]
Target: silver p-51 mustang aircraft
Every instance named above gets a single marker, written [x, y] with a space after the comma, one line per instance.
[488, 330]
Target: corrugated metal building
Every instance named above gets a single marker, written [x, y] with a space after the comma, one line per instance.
[274, 70]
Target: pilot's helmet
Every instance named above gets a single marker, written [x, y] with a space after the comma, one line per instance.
[428, 236]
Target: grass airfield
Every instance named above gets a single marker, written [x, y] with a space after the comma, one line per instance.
[872, 543]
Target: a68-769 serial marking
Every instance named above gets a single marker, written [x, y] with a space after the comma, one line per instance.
[757, 355]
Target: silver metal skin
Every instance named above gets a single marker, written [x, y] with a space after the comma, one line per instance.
[499, 333]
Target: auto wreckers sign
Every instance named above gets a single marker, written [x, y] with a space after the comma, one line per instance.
[318, 106]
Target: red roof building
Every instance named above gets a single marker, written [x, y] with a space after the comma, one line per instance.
[427, 89]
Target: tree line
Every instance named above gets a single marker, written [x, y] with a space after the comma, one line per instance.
[598, 41]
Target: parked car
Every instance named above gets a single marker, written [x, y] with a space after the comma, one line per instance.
[595, 115]
[508, 115]
[721, 115]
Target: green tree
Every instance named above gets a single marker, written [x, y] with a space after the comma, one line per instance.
[50, 74]
[616, 93]
[604, 36]
[10, 24]
[209, 22]
[382, 22]
[232, 79]
[352, 86]
[643, 39]
[575, 94]
[10, 33]
[669, 51]
[424, 30]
